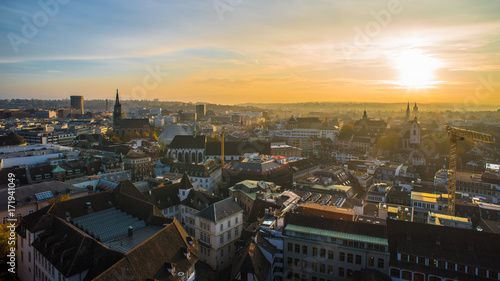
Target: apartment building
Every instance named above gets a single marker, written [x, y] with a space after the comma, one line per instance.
[321, 249]
[218, 226]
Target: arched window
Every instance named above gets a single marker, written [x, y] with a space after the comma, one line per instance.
[200, 157]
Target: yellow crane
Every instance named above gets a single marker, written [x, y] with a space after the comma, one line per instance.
[454, 135]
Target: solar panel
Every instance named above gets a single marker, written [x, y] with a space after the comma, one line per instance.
[44, 195]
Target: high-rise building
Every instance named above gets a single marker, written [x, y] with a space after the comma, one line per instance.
[77, 104]
[201, 110]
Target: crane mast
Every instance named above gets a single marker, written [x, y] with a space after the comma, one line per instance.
[454, 135]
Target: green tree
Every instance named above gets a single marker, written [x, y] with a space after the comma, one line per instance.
[127, 136]
[346, 131]
[145, 135]
[389, 142]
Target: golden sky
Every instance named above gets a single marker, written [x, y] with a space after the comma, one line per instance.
[233, 52]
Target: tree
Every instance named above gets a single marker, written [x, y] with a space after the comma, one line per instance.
[137, 135]
[145, 135]
[154, 136]
[115, 139]
[127, 136]
[389, 142]
[346, 131]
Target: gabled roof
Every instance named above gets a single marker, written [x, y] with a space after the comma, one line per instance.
[154, 259]
[70, 250]
[199, 200]
[127, 187]
[181, 141]
[185, 182]
[252, 261]
[165, 196]
[220, 210]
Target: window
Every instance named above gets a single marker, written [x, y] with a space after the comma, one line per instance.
[341, 272]
[349, 273]
[315, 252]
[304, 250]
[229, 223]
[29, 255]
[421, 260]
[322, 253]
[314, 266]
[297, 248]
[289, 261]
[4, 220]
[221, 238]
[290, 246]
[404, 257]
[350, 258]
[221, 253]
[221, 227]
[329, 269]
[304, 264]
[371, 261]
[381, 263]
[236, 220]
[322, 267]
[395, 272]
[358, 259]
[228, 235]
[296, 262]
[330, 254]
[342, 258]
[406, 275]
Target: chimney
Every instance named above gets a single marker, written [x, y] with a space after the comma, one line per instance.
[89, 208]
[130, 231]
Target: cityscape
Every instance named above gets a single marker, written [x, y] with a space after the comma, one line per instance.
[250, 140]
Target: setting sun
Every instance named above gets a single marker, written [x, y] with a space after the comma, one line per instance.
[416, 69]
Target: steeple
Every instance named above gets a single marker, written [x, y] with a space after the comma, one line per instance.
[117, 99]
[117, 113]
[365, 115]
[408, 111]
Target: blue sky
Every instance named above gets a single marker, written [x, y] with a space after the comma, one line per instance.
[258, 51]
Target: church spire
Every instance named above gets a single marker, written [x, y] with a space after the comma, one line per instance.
[408, 111]
[117, 100]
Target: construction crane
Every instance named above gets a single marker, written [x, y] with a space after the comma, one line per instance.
[454, 135]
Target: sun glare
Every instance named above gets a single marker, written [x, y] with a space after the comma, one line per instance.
[416, 69]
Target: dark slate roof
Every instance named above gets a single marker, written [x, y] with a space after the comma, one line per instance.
[164, 196]
[188, 142]
[185, 182]
[134, 123]
[220, 210]
[127, 187]
[302, 164]
[259, 209]
[239, 148]
[26, 194]
[199, 200]
[70, 250]
[11, 139]
[489, 226]
[252, 260]
[464, 246]
[40, 170]
[255, 166]
[152, 259]
[352, 227]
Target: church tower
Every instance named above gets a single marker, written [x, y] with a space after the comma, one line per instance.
[415, 110]
[117, 113]
[408, 112]
[365, 116]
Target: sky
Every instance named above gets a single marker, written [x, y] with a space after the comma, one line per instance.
[252, 51]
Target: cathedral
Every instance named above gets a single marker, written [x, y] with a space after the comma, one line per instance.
[129, 125]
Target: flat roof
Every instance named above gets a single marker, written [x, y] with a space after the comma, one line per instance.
[428, 197]
[337, 234]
